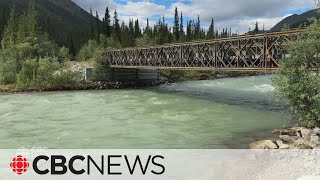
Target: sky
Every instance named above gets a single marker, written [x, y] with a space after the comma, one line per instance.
[238, 15]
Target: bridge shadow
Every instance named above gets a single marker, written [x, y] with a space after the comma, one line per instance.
[250, 99]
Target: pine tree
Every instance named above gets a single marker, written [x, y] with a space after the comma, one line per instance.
[256, 29]
[106, 23]
[32, 26]
[147, 30]
[116, 27]
[211, 31]
[197, 29]
[176, 27]
[10, 32]
[182, 34]
[98, 32]
[91, 28]
[22, 29]
[189, 31]
[131, 28]
[126, 38]
[72, 48]
[137, 30]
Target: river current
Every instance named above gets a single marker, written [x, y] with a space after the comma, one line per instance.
[223, 113]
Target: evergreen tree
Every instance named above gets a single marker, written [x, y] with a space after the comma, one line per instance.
[211, 31]
[137, 30]
[32, 25]
[116, 27]
[176, 27]
[106, 23]
[126, 38]
[182, 34]
[256, 29]
[148, 30]
[22, 29]
[91, 27]
[197, 29]
[98, 32]
[72, 48]
[10, 32]
[131, 28]
[189, 31]
[216, 34]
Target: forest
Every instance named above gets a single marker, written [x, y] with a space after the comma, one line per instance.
[123, 35]
[31, 57]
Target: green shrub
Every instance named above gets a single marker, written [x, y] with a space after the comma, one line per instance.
[8, 73]
[28, 73]
[145, 41]
[64, 55]
[101, 66]
[66, 79]
[87, 51]
[299, 86]
[37, 73]
[109, 42]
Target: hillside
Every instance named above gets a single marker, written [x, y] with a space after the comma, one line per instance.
[295, 20]
[64, 20]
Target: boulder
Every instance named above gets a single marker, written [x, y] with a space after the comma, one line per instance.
[306, 133]
[314, 141]
[301, 144]
[316, 131]
[289, 139]
[266, 144]
[282, 145]
[291, 131]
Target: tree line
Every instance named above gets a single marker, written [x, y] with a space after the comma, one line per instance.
[29, 59]
[128, 35]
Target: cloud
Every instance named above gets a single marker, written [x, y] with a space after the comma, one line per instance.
[235, 14]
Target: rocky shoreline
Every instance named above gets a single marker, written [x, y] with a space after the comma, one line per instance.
[94, 85]
[291, 138]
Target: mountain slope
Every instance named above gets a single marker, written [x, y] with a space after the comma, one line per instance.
[64, 20]
[295, 20]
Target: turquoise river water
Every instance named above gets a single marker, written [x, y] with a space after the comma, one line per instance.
[224, 113]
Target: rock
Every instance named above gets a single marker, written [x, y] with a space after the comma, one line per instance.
[305, 132]
[282, 145]
[289, 139]
[294, 131]
[266, 144]
[316, 131]
[298, 134]
[300, 144]
[314, 141]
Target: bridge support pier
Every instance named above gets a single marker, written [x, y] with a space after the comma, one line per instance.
[135, 75]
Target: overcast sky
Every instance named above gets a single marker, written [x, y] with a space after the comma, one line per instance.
[235, 14]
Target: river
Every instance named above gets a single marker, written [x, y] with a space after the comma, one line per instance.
[223, 113]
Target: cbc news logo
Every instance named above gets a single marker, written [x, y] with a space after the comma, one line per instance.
[60, 165]
[19, 165]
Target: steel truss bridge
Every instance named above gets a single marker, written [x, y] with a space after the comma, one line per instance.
[261, 52]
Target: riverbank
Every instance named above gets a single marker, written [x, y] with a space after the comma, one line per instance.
[167, 76]
[291, 138]
[97, 85]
